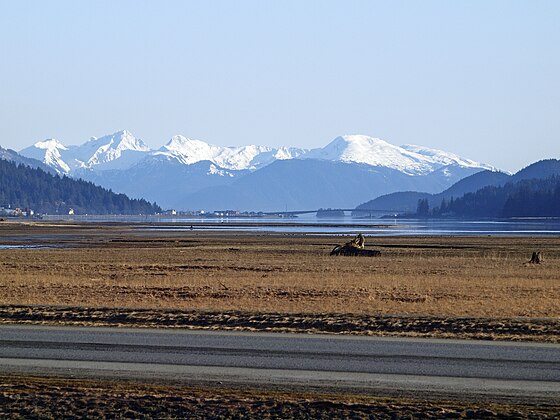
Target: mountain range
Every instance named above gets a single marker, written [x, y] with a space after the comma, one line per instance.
[191, 174]
[407, 201]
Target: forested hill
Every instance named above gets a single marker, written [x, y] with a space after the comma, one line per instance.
[25, 187]
[525, 198]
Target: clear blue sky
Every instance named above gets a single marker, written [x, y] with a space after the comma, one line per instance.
[479, 78]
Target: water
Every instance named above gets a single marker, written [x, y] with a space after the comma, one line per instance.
[372, 227]
[309, 223]
[26, 246]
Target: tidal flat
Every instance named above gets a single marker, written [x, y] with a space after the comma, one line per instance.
[131, 275]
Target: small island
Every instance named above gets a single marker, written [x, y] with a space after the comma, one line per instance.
[324, 213]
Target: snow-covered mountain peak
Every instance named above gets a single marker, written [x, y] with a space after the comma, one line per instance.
[352, 147]
[122, 150]
[186, 146]
[50, 144]
[412, 160]
[361, 139]
[114, 151]
[284, 153]
[371, 151]
[49, 152]
[356, 148]
[111, 147]
[121, 140]
[189, 151]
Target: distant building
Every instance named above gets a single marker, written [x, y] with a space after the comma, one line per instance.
[227, 213]
[15, 212]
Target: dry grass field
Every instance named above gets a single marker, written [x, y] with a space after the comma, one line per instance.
[132, 267]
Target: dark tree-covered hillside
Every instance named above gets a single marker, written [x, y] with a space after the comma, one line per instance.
[525, 198]
[25, 187]
[535, 197]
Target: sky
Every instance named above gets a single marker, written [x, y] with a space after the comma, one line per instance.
[477, 78]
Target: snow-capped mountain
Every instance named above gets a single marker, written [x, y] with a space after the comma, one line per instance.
[50, 153]
[192, 174]
[115, 151]
[338, 175]
[101, 151]
[122, 150]
[409, 159]
[189, 151]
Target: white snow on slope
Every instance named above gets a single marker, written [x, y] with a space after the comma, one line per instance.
[189, 151]
[50, 153]
[412, 160]
[122, 150]
[284, 153]
[445, 158]
[105, 149]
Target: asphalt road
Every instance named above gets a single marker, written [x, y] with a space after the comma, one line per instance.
[391, 365]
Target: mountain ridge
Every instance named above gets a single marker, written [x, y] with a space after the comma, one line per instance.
[185, 172]
[312, 184]
[407, 201]
[354, 148]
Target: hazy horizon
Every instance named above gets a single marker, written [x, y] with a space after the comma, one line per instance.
[478, 79]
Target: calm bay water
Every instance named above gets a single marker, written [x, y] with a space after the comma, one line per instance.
[372, 227]
[309, 223]
[25, 246]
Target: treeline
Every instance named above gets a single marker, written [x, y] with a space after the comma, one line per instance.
[25, 187]
[526, 198]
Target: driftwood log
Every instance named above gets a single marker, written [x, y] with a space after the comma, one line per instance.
[350, 251]
[536, 258]
[355, 248]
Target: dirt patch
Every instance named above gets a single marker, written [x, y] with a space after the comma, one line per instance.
[36, 397]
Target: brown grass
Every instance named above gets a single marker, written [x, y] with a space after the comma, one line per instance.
[117, 266]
